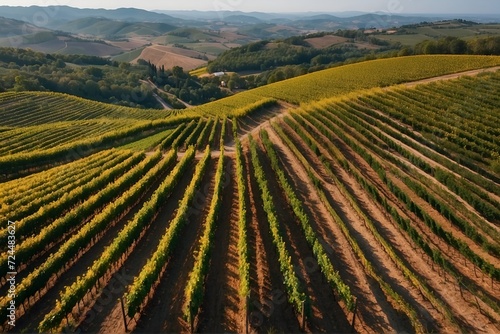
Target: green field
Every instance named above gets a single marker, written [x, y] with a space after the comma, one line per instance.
[128, 56]
[414, 35]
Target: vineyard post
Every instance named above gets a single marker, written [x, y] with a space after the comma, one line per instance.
[123, 313]
[191, 320]
[460, 286]
[354, 315]
[477, 303]
[303, 314]
[246, 314]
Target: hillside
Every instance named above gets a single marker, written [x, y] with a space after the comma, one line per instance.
[59, 15]
[411, 35]
[275, 60]
[226, 34]
[355, 203]
[169, 57]
[349, 78]
[112, 29]
[15, 33]
[20, 34]
[10, 27]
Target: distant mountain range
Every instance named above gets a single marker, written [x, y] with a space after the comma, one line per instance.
[287, 17]
[70, 19]
[54, 16]
[103, 27]
[128, 31]
[12, 27]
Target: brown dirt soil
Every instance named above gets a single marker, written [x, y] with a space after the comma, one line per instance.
[165, 56]
[46, 301]
[372, 250]
[163, 312]
[104, 315]
[325, 313]
[222, 310]
[432, 163]
[452, 76]
[466, 315]
[375, 314]
[269, 309]
[268, 306]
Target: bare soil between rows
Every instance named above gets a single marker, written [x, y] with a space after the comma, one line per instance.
[222, 310]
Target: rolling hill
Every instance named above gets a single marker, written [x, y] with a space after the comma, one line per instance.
[54, 16]
[169, 57]
[15, 33]
[11, 27]
[108, 28]
[338, 201]
[20, 34]
[417, 33]
[126, 30]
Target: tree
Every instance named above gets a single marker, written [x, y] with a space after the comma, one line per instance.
[430, 48]
[60, 63]
[91, 88]
[97, 73]
[22, 84]
[276, 76]
[177, 73]
[124, 66]
[404, 52]
[231, 84]
[458, 46]
[184, 94]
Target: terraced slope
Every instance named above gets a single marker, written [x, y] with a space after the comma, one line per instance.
[369, 211]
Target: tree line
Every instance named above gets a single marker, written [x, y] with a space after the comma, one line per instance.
[89, 77]
[285, 59]
[455, 45]
[267, 55]
[184, 86]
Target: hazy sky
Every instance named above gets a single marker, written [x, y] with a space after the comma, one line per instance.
[390, 6]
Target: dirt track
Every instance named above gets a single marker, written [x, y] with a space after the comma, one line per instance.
[452, 76]
[223, 310]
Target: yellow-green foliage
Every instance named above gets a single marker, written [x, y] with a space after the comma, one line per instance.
[366, 75]
[33, 108]
[229, 105]
[199, 71]
[303, 89]
[250, 108]
[349, 78]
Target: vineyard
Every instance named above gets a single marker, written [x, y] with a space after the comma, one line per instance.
[363, 206]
